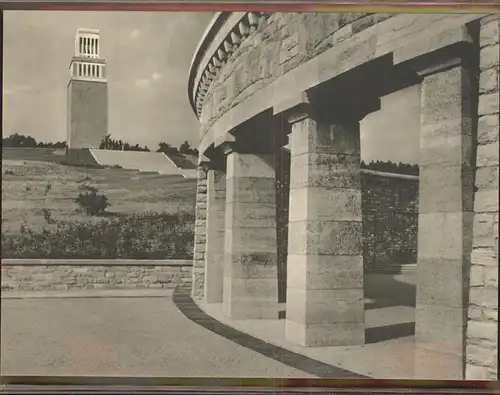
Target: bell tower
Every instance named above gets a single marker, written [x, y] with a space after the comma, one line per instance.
[87, 93]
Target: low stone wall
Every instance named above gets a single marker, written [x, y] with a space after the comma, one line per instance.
[62, 274]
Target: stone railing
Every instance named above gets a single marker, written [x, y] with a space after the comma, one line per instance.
[223, 36]
[63, 274]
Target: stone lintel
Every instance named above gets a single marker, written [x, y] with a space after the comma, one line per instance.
[212, 162]
[356, 110]
[294, 108]
[228, 147]
[204, 162]
[224, 142]
[245, 146]
[441, 59]
[437, 68]
[300, 107]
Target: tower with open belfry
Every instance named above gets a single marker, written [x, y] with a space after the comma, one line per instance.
[87, 95]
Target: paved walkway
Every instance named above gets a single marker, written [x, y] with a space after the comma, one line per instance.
[190, 309]
[120, 336]
[390, 326]
[146, 333]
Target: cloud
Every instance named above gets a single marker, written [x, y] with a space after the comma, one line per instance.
[17, 89]
[146, 82]
[135, 33]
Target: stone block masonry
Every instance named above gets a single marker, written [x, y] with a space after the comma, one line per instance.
[200, 235]
[250, 286]
[482, 325]
[67, 274]
[87, 114]
[321, 75]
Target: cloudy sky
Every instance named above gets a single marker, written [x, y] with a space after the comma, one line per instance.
[148, 57]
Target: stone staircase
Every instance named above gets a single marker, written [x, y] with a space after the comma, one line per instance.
[156, 162]
[410, 268]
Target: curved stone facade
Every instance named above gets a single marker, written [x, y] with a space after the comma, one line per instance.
[288, 91]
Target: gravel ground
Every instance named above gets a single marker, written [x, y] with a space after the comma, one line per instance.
[120, 337]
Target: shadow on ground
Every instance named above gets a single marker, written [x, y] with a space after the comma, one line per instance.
[389, 332]
[389, 290]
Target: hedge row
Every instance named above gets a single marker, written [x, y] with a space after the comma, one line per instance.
[137, 236]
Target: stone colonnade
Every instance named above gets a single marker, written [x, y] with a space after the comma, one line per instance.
[325, 301]
[236, 228]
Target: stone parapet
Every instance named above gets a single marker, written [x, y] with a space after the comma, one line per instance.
[68, 274]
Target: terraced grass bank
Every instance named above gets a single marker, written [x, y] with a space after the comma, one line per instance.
[31, 190]
[150, 217]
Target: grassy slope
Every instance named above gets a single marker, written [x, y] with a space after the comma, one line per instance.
[33, 154]
[24, 198]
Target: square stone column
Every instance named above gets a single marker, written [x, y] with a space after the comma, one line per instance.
[250, 249]
[200, 232]
[214, 254]
[325, 304]
[445, 221]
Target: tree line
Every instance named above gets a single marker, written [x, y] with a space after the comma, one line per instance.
[109, 143]
[19, 140]
[391, 167]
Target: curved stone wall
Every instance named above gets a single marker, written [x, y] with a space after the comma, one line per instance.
[258, 58]
[257, 75]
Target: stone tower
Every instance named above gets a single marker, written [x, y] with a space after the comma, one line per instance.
[87, 106]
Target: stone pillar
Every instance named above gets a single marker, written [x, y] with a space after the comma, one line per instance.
[325, 305]
[214, 253]
[445, 217]
[482, 325]
[282, 156]
[250, 249]
[200, 232]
